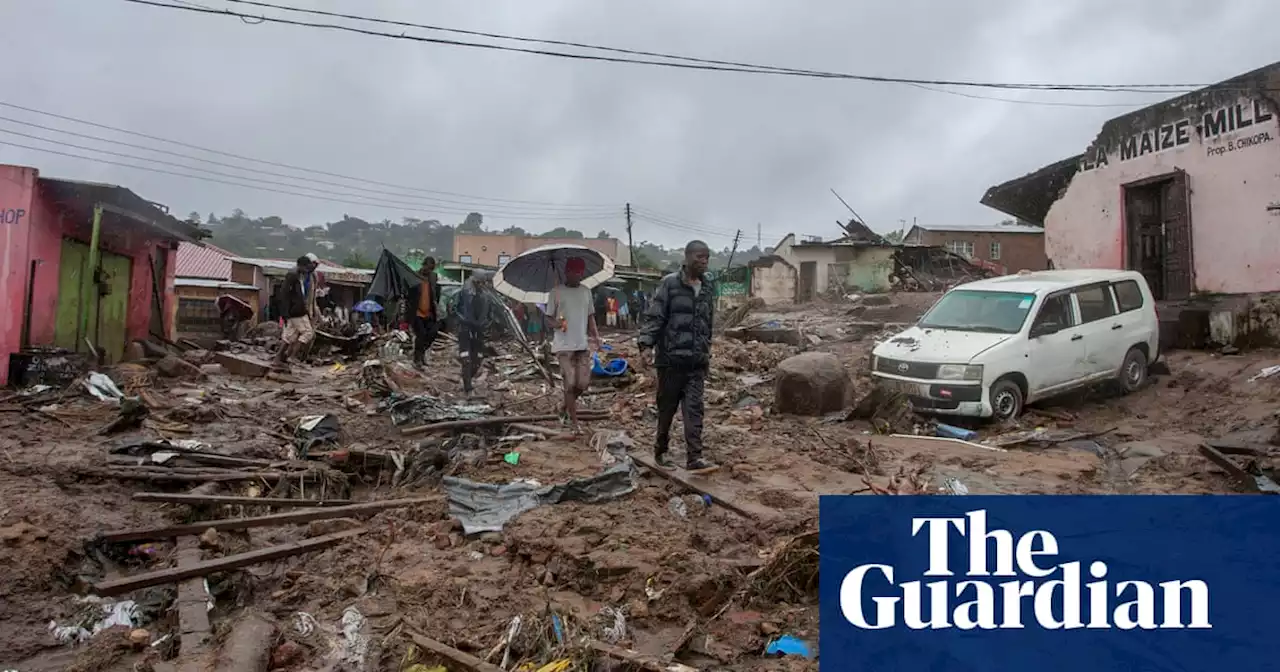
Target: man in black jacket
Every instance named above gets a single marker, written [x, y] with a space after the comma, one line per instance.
[423, 302]
[678, 329]
[474, 311]
[294, 301]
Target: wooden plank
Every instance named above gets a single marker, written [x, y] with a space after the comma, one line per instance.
[460, 658]
[1227, 447]
[172, 498]
[289, 518]
[181, 477]
[543, 431]
[206, 567]
[495, 420]
[692, 482]
[194, 629]
[1237, 474]
[636, 658]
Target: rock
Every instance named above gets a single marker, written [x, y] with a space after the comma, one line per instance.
[265, 330]
[210, 539]
[134, 351]
[287, 654]
[319, 528]
[768, 629]
[139, 638]
[813, 383]
[174, 367]
[442, 541]
[242, 366]
[196, 357]
[498, 551]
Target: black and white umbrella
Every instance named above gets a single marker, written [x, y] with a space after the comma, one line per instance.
[530, 277]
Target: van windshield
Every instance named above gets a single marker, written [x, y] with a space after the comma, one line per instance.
[973, 310]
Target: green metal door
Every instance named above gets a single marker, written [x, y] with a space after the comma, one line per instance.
[113, 307]
[72, 284]
[108, 314]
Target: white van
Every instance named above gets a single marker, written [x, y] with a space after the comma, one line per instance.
[986, 348]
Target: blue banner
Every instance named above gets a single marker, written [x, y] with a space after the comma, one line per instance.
[1047, 583]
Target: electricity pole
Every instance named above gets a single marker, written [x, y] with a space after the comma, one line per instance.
[630, 245]
[759, 237]
[734, 249]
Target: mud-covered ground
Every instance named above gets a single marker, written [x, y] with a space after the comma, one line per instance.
[703, 584]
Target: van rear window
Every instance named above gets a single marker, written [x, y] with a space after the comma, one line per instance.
[1128, 295]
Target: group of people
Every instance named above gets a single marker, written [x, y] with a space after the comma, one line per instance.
[674, 339]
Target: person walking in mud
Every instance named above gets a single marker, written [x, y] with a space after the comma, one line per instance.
[295, 298]
[571, 307]
[425, 318]
[676, 336]
[474, 309]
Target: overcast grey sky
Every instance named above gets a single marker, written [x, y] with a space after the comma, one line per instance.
[725, 151]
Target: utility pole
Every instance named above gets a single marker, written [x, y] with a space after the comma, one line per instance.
[630, 245]
[736, 237]
[759, 237]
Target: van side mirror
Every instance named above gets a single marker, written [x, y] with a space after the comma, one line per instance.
[1045, 328]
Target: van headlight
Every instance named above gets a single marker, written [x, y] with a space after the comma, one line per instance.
[960, 372]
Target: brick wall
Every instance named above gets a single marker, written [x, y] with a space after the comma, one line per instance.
[1017, 250]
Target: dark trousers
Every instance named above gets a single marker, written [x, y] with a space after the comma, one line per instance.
[680, 387]
[471, 345]
[424, 334]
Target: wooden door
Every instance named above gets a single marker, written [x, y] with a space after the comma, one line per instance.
[1175, 210]
[72, 287]
[113, 307]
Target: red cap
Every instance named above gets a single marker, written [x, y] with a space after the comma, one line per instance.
[575, 265]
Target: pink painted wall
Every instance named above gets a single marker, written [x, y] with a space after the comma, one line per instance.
[37, 236]
[1235, 246]
[16, 187]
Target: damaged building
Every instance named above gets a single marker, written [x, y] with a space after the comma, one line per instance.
[1187, 192]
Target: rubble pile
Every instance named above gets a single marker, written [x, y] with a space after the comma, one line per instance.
[357, 513]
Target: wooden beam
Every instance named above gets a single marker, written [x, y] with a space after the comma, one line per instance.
[636, 658]
[494, 421]
[161, 474]
[171, 498]
[460, 658]
[194, 630]
[692, 482]
[543, 431]
[289, 518]
[162, 577]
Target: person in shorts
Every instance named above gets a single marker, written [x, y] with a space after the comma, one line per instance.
[571, 308]
[295, 301]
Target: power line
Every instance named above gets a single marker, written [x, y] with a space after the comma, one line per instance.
[409, 204]
[655, 54]
[203, 178]
[683, 62]
[277, 164]
[420, 201]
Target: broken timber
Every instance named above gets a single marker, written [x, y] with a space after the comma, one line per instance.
[162, 577]
[194, 630]
[460, 658]
[495, 420]
[1238, 474]
[191, 498]
[636, 658]
[290, 518]
[692, 482]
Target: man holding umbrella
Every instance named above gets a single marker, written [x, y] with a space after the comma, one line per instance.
[424, 300]
[571, 308]
[677, 329]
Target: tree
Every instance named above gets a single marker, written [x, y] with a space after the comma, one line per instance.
[603, 235]
[193, 218]
[356, 260]
[895, 237]
[515, 231]
[474, 223]
[561, 232]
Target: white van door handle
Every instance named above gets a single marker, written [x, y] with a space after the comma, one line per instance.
[1077, 337]
[1117, 326]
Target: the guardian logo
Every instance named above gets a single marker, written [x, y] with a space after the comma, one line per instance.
[1039, 592]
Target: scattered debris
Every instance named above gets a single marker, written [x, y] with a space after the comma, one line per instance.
[484, 507]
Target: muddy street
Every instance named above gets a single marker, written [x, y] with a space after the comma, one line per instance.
[357, 514]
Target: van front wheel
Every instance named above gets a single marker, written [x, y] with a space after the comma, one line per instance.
[1006, 400]
[1133, 373]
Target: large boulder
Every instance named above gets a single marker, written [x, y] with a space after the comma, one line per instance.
[813, 383]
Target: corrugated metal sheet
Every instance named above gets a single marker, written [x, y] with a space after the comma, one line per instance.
[985, 228]
[203, 262]
[210, 282]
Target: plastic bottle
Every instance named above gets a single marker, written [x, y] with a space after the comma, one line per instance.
[677, 506]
